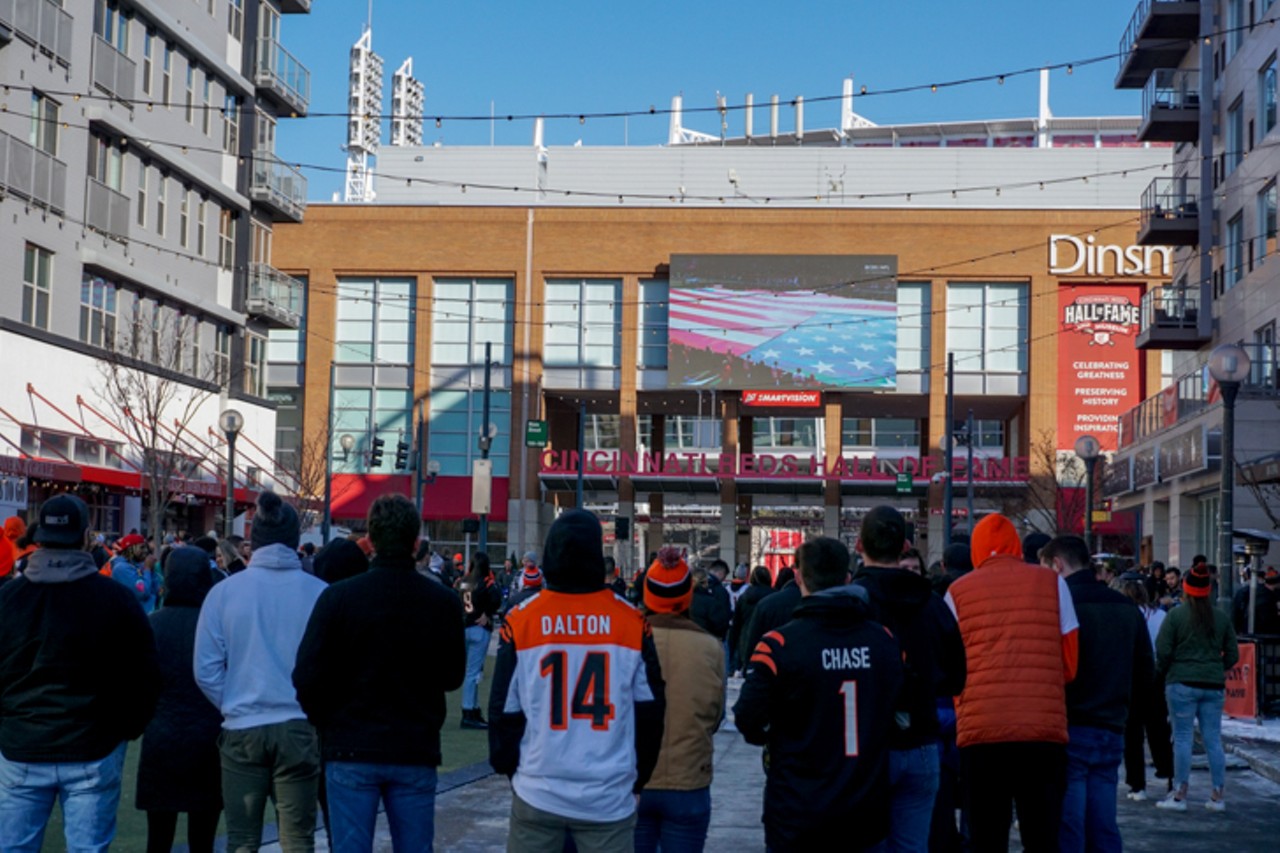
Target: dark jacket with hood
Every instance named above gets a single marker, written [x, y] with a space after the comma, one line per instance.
[1116, 662]
[772, 612]
[78, 671]
[819, 695]
[380, 651]
[933, 653]
[179, 766]
[712, 608]
[742, 615]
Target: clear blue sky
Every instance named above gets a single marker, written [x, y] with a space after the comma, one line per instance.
[575, 56]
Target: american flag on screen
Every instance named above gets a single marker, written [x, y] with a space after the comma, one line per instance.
[815, 336]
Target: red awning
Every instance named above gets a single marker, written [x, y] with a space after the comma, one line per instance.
[447, 499]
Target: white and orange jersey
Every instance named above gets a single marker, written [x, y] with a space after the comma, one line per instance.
[575, 679]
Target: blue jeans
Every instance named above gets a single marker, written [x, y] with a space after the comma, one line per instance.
[407, 790]
[1186, 706]
[1089, 806]
[913, 783]
[676, 821]
[89, 791]
[477, 648]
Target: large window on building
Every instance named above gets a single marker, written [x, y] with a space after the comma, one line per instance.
[914, 301]
[44, 123]
[454, 425]
[288, 429]
[289, 346]
[255, 364]
[465, 314]
[987, 327]
[375, 320]
[888, 433]
[366, 413]
[1233, 268]
[654, 312]
[1266, 222]
[37, 275]
[1267, 97]
[784, 433]
[1235, 140]
[602, 432]
[681, 432]
[97, 311]
[582, 321]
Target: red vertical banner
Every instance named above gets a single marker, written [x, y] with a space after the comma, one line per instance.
[1100, 371]
[1242, 685]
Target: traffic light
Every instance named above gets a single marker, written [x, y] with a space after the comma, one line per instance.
[622, 527]
[375, 455]
[402, 455]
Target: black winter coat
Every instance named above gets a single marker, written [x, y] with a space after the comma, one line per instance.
[711, 608]
[746, 608]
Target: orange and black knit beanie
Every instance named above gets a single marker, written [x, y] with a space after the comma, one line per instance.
[668, 585]
[1197, 583]
[531, 577]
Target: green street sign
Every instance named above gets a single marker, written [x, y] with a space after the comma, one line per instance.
[904, 484]
[535, 434]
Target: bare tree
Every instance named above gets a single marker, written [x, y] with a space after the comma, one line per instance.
[154, 382]
[303, 471]
[1055, 489]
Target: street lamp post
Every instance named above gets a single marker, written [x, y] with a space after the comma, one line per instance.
[1229, 365]
[1088, 449]
[231, 422]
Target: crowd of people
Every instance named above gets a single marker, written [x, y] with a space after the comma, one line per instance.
[889, 697]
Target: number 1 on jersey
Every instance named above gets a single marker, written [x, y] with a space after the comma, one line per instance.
[849, 690]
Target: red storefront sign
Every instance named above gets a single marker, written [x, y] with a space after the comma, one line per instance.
[787, 399]
[1242, 685]
[1100, 371]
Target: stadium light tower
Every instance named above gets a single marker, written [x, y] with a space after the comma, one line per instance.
[364, 124]
[407, 101]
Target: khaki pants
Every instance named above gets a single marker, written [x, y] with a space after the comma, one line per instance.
[536, 831]
[281, 760]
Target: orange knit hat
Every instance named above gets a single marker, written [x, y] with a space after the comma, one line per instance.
[668, 585]
[994, 535]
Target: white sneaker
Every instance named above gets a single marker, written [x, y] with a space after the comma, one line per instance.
[1170, 803]
[1216, 805]
[1138, 796]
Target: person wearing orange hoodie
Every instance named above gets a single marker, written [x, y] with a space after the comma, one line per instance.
[1020, 635]
[10, 553]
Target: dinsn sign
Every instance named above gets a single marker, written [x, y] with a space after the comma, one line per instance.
[1071, 255]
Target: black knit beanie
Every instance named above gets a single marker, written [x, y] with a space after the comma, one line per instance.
[573, 556]
[275, 523]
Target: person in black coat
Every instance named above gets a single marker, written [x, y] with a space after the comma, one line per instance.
[772, 612]
[179, 769]
[711, 607]
[757, 590]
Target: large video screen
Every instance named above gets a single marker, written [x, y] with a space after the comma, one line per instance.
[783, 321]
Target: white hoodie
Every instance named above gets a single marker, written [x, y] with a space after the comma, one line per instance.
[248, 635]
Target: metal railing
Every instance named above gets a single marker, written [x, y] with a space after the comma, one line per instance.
[280, 71]
[278, 184]
[113, 72]
[32, 174]
[1176, 198]
[273, 294]
[1171, 89]
[1171, 307]
[42, 23]
[106, 210]
[1140, 15]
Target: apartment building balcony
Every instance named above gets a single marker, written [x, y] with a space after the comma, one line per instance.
[282, 78]
[295, 7]
[1175, 318]
[1170, 212]
[274, 297]
[41, 23]
[1171, 106]
[1158, 36]
[106, 210]
[113, 72]
[279, 186]
[31, 174]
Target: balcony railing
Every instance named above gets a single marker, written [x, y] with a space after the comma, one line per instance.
[1171, 106]
[106, 210]
[113, 72]
[300, 7]
[1158, 36]
[1173, 318]
[279, 185]
[274, 296]
[283, 76]
[1194, 391]
[42, 23]
[30, 173]
[1170, 212]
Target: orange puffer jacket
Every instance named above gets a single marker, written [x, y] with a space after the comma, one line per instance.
[1018, 658]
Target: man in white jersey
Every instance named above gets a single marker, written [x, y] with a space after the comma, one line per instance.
[576, 710]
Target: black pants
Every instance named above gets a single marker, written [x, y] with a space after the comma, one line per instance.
[1148, 715]
[997, 776]
[201, 828]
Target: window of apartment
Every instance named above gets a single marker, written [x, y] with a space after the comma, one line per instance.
[1267, 97]
[988, 434]
[235, 18]
[375, 320]
[602, 432]
[1236, 21]
[880, 432]
[191, 92]
[1266, 222]
[44, 124]
[1262, 368]
[190, 329]
[289, 346]
[202, 217]
[97, 311]
[1234, 152]
[987, 327]
[255, 359]
[231, 124]
[206, 117]
[681, 432]
[654, 319]
[148, 51]
[106, 161]
[466, 313]
[222, 355]
[140, 204]
[288, 430]
[266, 133]
[270, 23]
[37, 275]
[184, 217]
[788, 433]
[1233, 269]
[914, 299]
[259, 242]
[162, 195]
[166, 75]
[226, 238]
[454, 422]
[112, 25]
[583, 322]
